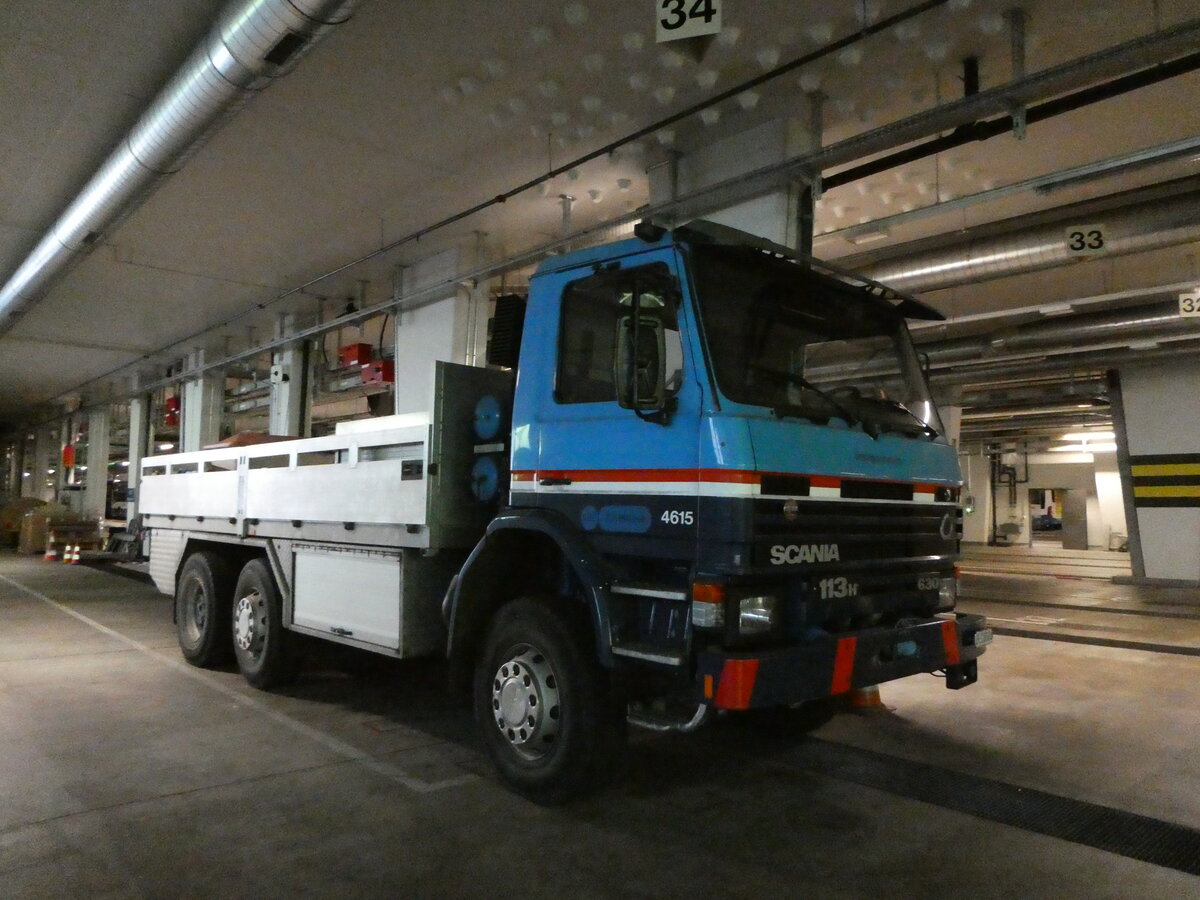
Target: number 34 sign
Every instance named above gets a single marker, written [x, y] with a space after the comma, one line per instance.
[686, 18]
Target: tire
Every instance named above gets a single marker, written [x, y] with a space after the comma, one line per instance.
[202, 606]
[544, 706]
[261, 645]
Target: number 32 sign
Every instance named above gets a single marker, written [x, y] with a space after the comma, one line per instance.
[686, 18]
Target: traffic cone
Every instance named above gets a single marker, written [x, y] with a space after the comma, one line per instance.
[866, 698]
[51, 550]
[73, 554]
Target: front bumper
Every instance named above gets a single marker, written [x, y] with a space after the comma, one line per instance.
[837, 664]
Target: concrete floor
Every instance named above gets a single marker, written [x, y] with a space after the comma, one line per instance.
[126, 773]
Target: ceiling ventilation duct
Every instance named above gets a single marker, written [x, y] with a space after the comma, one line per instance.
[1089, 331]
[1144, 226]
[253, 43]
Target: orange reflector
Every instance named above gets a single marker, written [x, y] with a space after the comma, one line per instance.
[708, 593]
[957, 572]
[950, 642]
[708, 687]
[843, 666]
[737, 683]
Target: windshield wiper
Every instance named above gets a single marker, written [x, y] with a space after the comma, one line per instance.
[926, 428]
[794, 378]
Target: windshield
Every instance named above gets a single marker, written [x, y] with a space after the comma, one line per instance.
[806, 344]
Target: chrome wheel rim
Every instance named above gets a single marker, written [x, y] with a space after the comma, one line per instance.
[250, 623]
[525, 702]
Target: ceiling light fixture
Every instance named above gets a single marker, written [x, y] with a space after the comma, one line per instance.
[869, 237]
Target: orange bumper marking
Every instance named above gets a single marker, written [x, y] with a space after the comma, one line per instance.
[950, 642]
[737, 683]
[843, 666]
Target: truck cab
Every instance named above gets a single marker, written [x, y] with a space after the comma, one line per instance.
[738, 452]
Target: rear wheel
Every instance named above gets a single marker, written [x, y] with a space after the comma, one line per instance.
[202, 621]
[262, 646]
[544, 706]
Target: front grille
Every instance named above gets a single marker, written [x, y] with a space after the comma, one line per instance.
[876, 490]
[872, 597]
[862, 532]
[854, 565]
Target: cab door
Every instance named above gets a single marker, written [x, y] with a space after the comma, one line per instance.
[615, 428]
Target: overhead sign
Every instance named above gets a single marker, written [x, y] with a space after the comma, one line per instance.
[1086, 240]
[678, 19]
[1189, 303]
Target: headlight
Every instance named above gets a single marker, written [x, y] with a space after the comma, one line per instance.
[947, 593]
[758, 614]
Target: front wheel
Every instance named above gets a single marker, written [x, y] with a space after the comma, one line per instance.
[544, 706]
[260, 643]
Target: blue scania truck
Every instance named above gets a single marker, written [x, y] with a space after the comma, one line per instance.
[699, 474]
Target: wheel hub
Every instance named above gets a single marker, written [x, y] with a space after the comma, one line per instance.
[525, 702]
[195, 609]
[245, 631]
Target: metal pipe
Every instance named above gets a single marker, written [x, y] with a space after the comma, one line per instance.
[253, 43]
[1163, 222]
[982, 131]
[1154, 321]
[1093, 361]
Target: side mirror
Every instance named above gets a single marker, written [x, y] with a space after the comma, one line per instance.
[640, 373]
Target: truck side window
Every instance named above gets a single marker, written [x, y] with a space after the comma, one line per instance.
[591, 310]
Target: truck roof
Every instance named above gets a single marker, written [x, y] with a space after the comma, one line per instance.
[704, 232]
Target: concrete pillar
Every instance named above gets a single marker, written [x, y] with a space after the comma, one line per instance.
[437, 331]
[952, 420]
[977, 524]
[39, 472]
[289, 374]
[777, 216]
[29, 445]
[203, 404]
[1157, 423]
[12, 468]
[1109, 502]
[139, 440]
[66, 435]
[96, 477]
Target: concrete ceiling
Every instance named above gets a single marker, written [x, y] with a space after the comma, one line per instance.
[414, 111]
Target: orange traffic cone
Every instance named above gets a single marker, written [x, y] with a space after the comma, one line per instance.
[73, 554]
[866, 698]
[51, 550]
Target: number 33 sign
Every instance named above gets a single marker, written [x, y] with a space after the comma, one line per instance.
[686, 18]
[1085, 240]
